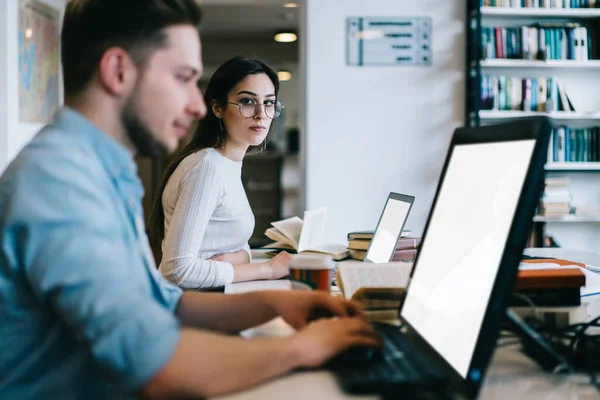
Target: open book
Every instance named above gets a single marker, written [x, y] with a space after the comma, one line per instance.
[295, 235]
[379, 288]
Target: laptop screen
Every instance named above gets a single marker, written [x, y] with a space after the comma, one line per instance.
[388, 229]
[465, 239]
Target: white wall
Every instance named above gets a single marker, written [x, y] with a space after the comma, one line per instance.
[3, 84]
[13, 134]
[371, 130]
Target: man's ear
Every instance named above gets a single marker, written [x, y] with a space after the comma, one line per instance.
[117, 71]
[216, 109]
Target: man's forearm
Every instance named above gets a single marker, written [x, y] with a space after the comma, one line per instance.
[206, 365]
[225, 313]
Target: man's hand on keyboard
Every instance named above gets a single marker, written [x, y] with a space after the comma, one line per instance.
[325, 338]
[300, 308]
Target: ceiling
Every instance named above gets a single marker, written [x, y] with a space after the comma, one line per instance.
[246, 19]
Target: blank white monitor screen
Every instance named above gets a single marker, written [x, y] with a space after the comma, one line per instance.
[388, 230]
[461, 251]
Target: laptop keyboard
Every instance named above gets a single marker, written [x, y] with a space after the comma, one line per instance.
[362, 370]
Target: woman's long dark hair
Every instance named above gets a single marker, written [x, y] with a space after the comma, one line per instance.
[209, 132]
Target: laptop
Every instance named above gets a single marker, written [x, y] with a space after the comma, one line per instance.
[465, 269]
[389, 228]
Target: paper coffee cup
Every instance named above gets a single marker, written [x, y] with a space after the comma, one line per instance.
[314, 270]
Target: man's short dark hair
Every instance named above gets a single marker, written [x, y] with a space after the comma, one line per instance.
[90, 27]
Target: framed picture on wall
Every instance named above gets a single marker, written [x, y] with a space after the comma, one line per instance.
[39, 61]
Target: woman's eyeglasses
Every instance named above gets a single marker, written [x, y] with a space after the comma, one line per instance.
[248, 110]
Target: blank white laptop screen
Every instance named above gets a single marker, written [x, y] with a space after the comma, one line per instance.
[461, 251]
[388, 230]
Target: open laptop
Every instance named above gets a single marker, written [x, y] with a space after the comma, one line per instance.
[465, 269]
[389, 228]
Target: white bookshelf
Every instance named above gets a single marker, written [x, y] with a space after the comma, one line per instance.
[580, 78]
[559, 115]
[567, 219]
[573, 166]
[508, 12]
[511, 63]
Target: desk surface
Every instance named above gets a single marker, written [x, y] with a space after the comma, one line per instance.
[511, 375]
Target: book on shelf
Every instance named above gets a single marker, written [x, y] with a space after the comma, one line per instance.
[574, 145]
[542, 41]
[553, 4]
[297, 235]
[509, 93]
[376, 287]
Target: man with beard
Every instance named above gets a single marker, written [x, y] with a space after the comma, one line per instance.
[84, 312]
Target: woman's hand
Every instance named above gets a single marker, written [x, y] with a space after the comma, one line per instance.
[277, 267]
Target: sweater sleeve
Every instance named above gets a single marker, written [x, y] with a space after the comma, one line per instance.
[199, 193]
[246, 247]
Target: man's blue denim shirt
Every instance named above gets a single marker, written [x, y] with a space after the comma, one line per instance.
[83, 311]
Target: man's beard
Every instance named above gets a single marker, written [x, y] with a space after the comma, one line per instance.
[139, 134]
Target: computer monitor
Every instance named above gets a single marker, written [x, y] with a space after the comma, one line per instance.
[389, 228]
[472, 243]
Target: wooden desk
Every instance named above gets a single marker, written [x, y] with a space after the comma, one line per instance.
[511, 375]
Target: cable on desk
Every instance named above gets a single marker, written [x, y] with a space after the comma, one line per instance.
[582, 351]
[530, 303]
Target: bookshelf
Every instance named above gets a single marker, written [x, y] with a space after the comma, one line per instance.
[556, 115]
[514, 55]
[567, 219]
[573, 166]
[563, 64]
[530, 12]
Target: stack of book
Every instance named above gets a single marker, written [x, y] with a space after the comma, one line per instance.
[406, 248]
[378, 288]
[549, 282]
[556, 199]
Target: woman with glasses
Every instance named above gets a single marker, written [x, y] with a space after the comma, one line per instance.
[201, 218]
